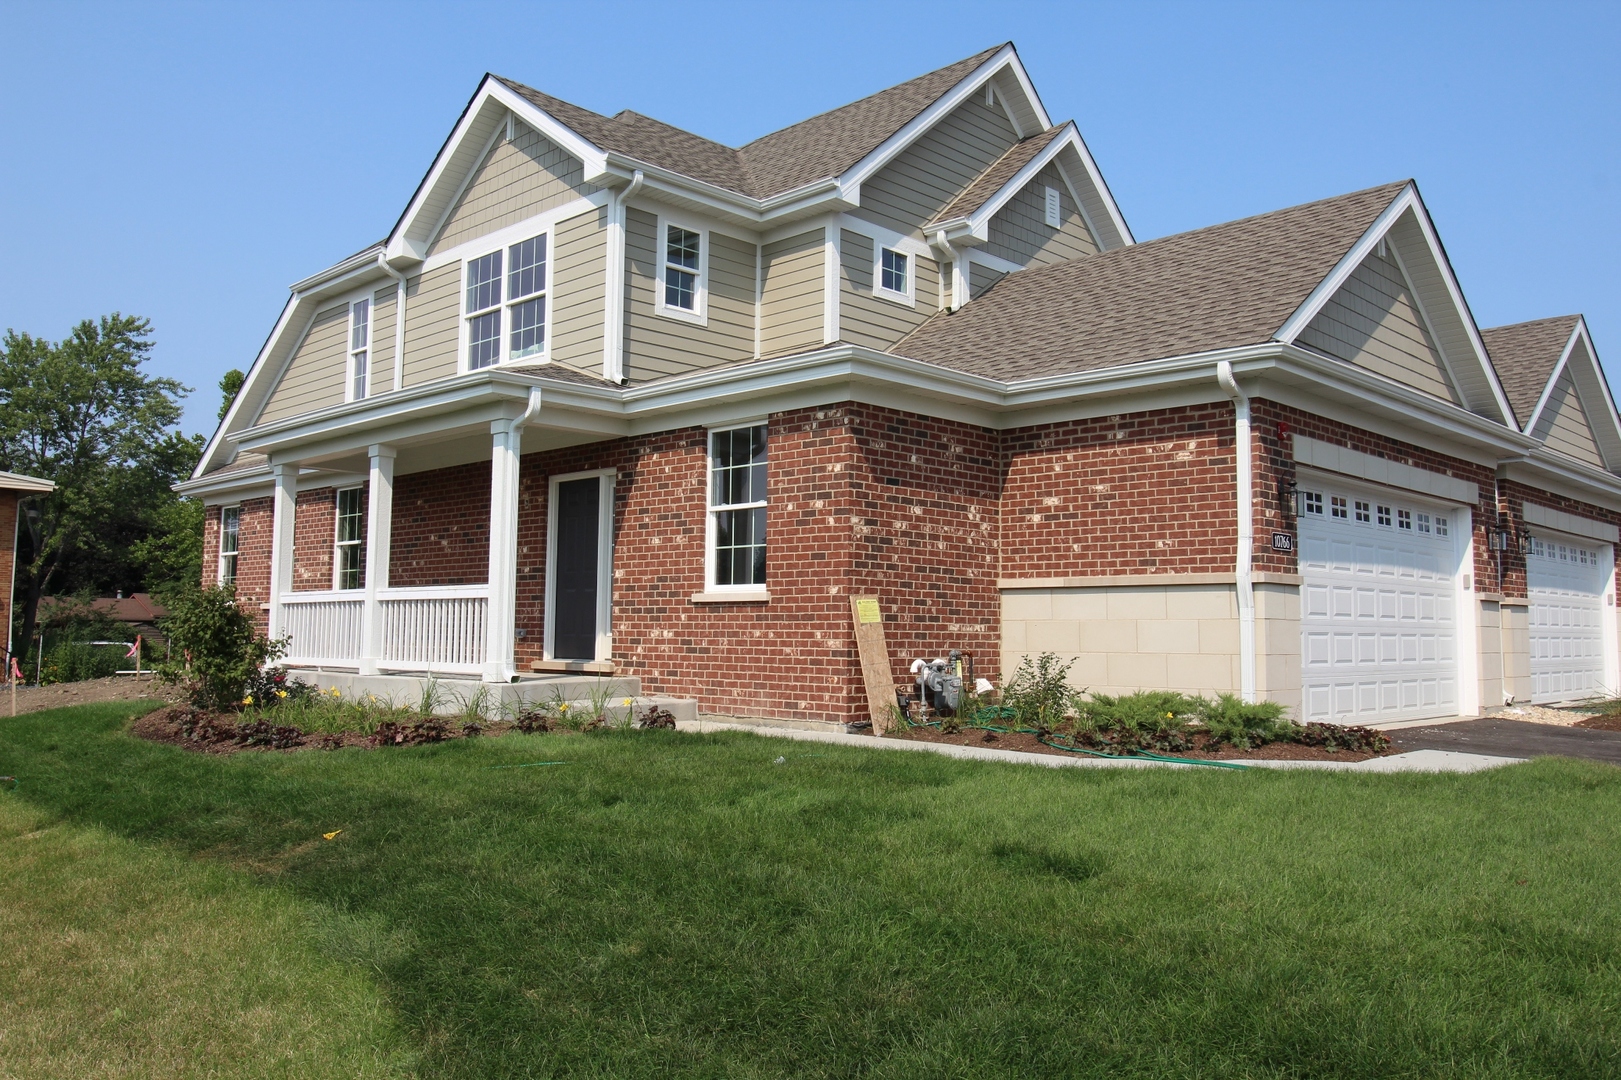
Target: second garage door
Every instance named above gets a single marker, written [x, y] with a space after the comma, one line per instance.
[1565, 582]
[1379, 638]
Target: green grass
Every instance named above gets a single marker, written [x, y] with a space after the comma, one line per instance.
[668, 904]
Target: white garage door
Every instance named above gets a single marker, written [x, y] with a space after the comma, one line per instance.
[1378, 622]
[1566, 583]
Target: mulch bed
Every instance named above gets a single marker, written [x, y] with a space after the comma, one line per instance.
[1278, 751]
[223, 733]
[1602, 722]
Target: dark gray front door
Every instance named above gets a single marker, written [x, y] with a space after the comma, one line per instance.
[574, 601]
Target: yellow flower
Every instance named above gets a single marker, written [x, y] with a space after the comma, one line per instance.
[248, 700]
[627, 701]
[281, 693]
[1170, 716]
[336, 692]
[563, 707]
[333, 835]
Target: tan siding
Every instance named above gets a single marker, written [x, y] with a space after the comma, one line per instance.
[1374, 323]
[656, 345]
[981, 278]
[432, 324]
[917, 185]
[382, 339]
[865, 319]
[577, 291]
[1019, 232]
[1564, 425]
[314, 378]
[516, 180]
[791, 294]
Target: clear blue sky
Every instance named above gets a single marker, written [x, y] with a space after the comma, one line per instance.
[188, 162]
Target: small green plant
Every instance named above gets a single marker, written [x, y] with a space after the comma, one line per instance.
[1145, 712]
[1039, 692]
[431, 696]
[1244, 724]
[217, 649]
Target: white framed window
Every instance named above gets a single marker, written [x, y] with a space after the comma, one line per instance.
[1052, 207]
[736, 547]
[1363, 512]
[1442, 528]
[682, 291]
[504, 301]
[230, 541]
[349, 555]
[359, 348]
[1384, 517]
[894, 276]
[1311, 502]
[1404, 520]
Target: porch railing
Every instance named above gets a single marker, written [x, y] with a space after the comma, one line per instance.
[439, 628]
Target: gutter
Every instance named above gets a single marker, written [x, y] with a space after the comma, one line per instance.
[1243, 454]
[613, 326]
[399, 319]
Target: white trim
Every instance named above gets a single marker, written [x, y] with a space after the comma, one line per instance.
[220, 553]
[607, 478]
[711, 588]
[992, 262]
[759, 296]
[1595, 372]
[366, 349]
[505, 304]
[832, 245]
[699, 314]
[461, 188]
[545, 221]
[1393, 253]
[907, 296]
[338, 544]
[878, 234]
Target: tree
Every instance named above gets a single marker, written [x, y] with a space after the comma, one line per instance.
[81, 412]
[230, 383]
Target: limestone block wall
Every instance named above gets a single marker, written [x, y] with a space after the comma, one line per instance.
[1516, 651]
[1489, 628]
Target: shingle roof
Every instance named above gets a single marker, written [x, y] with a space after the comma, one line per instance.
[1524, 355]
[824, 146]
[1001, 170]
[1219, 287]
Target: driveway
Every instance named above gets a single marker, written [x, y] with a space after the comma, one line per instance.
[1512, 738]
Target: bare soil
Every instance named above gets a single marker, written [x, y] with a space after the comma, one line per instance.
[60, 695]
[1278, 751]
[168, 725]
[1602, 722]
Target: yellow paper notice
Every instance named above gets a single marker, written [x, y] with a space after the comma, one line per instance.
[867, 610]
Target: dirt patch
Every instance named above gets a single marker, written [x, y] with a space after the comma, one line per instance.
[224, 733]
[1602, 722]
[1278, 751]
[60, 695]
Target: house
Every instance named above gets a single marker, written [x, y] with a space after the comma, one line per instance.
[14, 489]
[137, 611]
[611, 397]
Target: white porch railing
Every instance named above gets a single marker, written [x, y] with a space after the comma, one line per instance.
[438, 628]
[435, 629]
[324, 626]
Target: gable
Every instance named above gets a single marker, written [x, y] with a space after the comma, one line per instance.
[1019, 231]
[314, 376]
[516, 179]
[1374, 322]
[1563, 424]
[929, 174]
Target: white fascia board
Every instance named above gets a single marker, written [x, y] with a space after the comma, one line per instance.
[356, 262]
[1095, 175]
[978, 223]
[1594, 373]
[1542, 465]
[942, 107]
[202, 487]
[1553, 380]
[1613, 426]
[216, 442]
[10, 481]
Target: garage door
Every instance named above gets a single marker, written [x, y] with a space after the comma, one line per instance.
[1378, 621]
[1565, 583]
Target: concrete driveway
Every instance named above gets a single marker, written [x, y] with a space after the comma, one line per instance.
[1512, 738]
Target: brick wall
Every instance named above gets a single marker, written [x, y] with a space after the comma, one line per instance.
[253, 555]
[314, 528]
[441, 527]
[1512, 497]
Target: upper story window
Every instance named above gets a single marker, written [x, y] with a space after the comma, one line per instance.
[505, 312]
[349, 555]
[683, 266]
[359, 348]
[737, 504]
[893, 275]
[230, 538]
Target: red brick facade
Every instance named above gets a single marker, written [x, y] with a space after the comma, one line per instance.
[253, 555]
[1512, 497]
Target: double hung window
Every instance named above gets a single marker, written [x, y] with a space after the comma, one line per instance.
[349, 558]
[682, 268]
[230, 537]
[737, 505]
[893, 275]
[359, 347]
[504, 304]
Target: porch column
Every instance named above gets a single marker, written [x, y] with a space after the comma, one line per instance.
[506, 445]
[283, 505]
[379, 520]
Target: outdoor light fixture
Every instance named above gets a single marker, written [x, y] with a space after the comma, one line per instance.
[1504, 538]
[1287, 494]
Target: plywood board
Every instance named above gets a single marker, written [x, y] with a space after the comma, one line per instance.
[880, 681]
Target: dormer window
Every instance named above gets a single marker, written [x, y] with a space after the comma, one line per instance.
[892, 277]
[683, 267]
[508, 307]
[359, 347]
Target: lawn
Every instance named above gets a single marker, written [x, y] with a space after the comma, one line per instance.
[665, 904]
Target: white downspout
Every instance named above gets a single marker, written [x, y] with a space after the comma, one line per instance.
[399, 321]
[1242, 454]
[613, 301]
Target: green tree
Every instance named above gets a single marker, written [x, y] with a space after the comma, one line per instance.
[81, 412]
[230, 383]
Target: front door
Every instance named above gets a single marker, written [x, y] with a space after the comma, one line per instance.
[576, 569]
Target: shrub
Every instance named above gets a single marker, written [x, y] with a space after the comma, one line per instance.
[217, 650]
[1334, 737]
[271, 688]
[656, 717]
[1145, 712]
[75, 661]
[1245, 724]
[1039, 692]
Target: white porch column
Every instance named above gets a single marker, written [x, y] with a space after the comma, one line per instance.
[379, 521]
[283, 505]
[506, 445]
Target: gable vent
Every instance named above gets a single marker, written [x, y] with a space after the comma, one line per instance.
[1053, 207]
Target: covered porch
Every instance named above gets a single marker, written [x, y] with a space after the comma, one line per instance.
[372, 621]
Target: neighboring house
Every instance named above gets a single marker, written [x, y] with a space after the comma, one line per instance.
[613, 397]
[14, 488]
[137, 611]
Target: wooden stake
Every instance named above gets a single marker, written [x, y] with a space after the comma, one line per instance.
[875, 672]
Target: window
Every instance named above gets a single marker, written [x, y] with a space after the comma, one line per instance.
[892, 271]
[681, 273]
[1384, 517]
[230, 536]
[1404, 519]
[349, 560]
[521, 306]
[1337, 506]
[1362, 514]
[1423, 523]
[1441, 527]
[737, 464]
[1311, 502]
[359, 347]
[1053, 208]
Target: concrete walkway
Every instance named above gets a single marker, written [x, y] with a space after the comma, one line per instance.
[1517, 738]
[1418, 760]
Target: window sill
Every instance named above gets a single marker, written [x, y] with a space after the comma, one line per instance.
[895, 297]
[750, 596]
